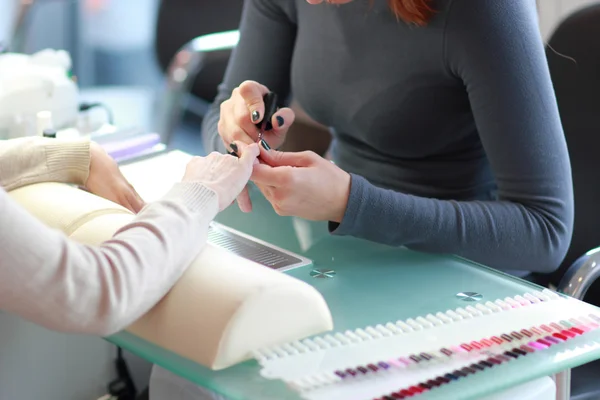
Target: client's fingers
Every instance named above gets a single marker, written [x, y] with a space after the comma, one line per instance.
[249, 153]
[136, 201]
[244, 201]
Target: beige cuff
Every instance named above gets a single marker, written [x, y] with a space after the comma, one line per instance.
[196, 197]
[68, 160]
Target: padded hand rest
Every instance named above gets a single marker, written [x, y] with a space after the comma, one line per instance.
[222, 308]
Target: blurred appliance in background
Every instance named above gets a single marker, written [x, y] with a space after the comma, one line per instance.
[30, 84]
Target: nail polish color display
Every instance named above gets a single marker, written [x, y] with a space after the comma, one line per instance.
[397, 360]
[577, 327]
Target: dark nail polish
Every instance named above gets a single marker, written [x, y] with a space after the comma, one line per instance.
[511, 354]
[255, 116]
[265, 144]
[233, 147]
[233, 153]
[468, 370]
[477, 367]
[372, 367]
[519, 352]
[280, 121]
[446, 352]
[506, 337]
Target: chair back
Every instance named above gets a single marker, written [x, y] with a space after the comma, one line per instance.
[180, 21]
[573, 53]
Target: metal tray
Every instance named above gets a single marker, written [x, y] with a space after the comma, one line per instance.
[254, 249]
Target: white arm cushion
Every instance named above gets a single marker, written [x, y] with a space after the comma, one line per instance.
[223, 308]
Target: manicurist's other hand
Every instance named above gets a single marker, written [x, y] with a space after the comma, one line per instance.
[244, 109]
[224, 174]
[106, 180]
[303, 185]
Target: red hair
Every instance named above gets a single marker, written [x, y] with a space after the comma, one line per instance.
[416, 12]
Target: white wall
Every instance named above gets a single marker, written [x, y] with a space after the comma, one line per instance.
[7, 12]
[36, 364]
[554, 11]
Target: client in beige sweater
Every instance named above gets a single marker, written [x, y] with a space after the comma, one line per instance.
[70, 287]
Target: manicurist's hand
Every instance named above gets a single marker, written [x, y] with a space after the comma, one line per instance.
[224, 174]
[244, 109]
[106, 180]
[303, 185]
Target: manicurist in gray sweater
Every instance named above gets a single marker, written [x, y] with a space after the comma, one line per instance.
[447, 134]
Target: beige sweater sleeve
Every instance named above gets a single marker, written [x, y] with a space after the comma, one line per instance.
[66, 286]
[35, 159]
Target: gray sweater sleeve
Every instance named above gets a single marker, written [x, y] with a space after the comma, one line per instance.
[258, 57]
[495, 49]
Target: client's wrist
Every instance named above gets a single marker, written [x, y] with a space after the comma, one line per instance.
[196, 196]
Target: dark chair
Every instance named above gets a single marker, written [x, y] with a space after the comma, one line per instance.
[181, 21]
[194, 39]
[573, 53]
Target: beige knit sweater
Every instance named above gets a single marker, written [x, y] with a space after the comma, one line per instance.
[65, 286]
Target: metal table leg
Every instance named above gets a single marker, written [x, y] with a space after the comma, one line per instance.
[576, 282]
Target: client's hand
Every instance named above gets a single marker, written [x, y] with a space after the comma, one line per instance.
[106, 180]
[303, 185]
[226, 175]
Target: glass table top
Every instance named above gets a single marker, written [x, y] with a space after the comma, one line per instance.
[367, 284]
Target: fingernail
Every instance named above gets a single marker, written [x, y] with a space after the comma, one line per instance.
[255, 116]
[233, 146]
[265, 144]
[280, 121]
